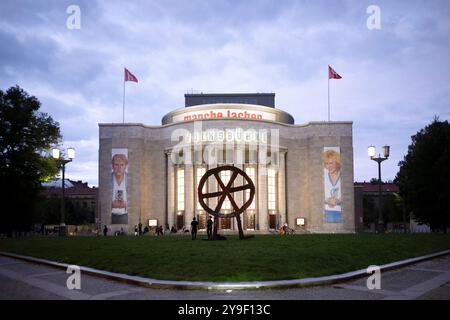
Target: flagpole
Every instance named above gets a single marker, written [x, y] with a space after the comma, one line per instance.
[328, 96]
[123, 102]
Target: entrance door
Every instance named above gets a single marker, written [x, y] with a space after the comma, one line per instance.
[180, 221]
[250, 220]
[202, 220]
[225, 223]
[272, 221]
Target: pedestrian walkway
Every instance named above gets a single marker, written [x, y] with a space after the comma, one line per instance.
[24, 280]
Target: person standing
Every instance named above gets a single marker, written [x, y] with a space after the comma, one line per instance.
[194, 226]
[209, 227]
[140, 228]
[105, 231]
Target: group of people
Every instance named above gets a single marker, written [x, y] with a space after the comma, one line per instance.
[284, 229]
[159, 230]
[137, 231]
[209, 227]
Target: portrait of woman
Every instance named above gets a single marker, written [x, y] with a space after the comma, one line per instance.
[332, 184]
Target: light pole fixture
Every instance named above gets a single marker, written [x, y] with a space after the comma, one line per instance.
[371, 151]
[62, 163]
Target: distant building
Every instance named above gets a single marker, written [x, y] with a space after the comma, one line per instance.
[366, 207]
[370, 188]
[415, 227]
[77, 191]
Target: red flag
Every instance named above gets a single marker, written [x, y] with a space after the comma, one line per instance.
[333, 74]
[129, 76]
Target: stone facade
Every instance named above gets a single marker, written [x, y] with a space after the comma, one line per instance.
[300, 186]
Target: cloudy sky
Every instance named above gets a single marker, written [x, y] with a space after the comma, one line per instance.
[395, 79]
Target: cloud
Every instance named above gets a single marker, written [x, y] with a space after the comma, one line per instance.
[394, 79]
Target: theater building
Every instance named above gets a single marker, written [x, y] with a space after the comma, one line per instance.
[302, 173]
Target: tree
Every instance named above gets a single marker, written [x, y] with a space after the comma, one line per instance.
[424, 175]
[26, 136]
[391, 206]
[78, 214]
[49, 212]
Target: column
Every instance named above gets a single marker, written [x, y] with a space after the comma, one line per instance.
[188, 194]
[170, 192]
[262, 197]
[239, 196]
[212, 187]
[281, 192]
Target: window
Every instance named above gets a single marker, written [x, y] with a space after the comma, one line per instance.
[225, 223]
[180, 189]
[271, 189]
[200, 172]
[251, 172]
[251, 155]
[225, 176]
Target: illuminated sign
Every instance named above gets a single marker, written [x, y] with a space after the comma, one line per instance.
[232, 113]
[227, 135]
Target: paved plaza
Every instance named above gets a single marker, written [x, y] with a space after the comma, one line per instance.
[24, 280]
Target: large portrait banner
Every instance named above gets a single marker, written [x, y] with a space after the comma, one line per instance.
[332, 184]
[119, 175]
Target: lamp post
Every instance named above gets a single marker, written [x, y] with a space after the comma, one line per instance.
[62, 163]
[379, 160]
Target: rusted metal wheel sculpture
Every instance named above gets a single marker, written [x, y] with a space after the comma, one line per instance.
[226, 192]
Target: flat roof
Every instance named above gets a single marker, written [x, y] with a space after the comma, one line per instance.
[262, 99]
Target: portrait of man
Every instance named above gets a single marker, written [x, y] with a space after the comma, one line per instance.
[332, 184]
[119, 166]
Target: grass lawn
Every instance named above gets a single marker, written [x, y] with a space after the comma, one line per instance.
[265, 257]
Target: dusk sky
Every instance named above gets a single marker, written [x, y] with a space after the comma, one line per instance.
[396, 79]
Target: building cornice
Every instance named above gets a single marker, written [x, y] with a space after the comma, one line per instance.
[311, 123]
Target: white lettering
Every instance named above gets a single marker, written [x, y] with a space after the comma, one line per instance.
[374, 281]
[74, 20]
[262, 147]
[188, 310]
[181, 152]
[74, 281]
[374, 20]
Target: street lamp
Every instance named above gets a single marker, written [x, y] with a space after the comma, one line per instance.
[379, 160]
[62, 163]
